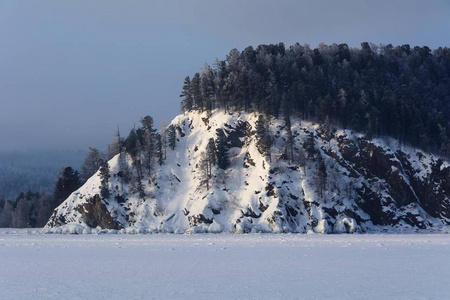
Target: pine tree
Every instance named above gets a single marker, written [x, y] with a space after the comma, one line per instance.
[138, 179]
[104, 179]
[187, 102]
[220, 72]
[68, 181]
[309, 146]
[211, 152]
[196, 93]
[159, 149]
[207, 87]
[289, 144]
[379, 91]
[171, 137]
[264, 140]
[301, 159]
[322, 176]
[343, 106]
[149, 142]
[444, 140]
[326, 128]
[132, 144]
[222, 147]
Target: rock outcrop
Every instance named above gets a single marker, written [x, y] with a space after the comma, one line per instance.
[333, 182]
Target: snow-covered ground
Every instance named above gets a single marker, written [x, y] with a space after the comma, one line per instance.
[223, 266]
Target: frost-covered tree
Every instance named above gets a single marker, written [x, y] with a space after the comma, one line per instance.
[6, 209]
[163, 133]
[124, 171]
[91, 163]
[116, 145]
[30, 210]
[208, 159]
[207, 162]
[205, 169]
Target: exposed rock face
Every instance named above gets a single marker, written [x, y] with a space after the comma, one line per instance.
[93, 212]
[96, 214]
[343, 183]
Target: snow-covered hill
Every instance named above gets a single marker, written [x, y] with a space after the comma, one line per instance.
[368, 184]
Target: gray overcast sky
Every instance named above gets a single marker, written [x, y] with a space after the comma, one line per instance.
[71, 70]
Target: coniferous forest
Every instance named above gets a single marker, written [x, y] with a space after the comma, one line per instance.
[385, 90]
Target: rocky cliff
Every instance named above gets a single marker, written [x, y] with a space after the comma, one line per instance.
[332, 181]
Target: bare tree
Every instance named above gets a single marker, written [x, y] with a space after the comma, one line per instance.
[205, 170]
[171, 136]
[163, 133]
[207, 161]
[322, 177]
[91, 164]
[116, 145]
[149, 142]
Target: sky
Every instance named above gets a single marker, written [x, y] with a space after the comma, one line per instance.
[72, 71]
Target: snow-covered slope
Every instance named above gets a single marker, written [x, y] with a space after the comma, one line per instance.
[370, 184]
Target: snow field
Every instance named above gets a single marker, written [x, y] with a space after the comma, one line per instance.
[223, 266]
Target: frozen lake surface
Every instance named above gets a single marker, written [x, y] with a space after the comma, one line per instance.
[223, 266]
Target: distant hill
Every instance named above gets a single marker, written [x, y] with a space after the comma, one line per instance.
[34, 170]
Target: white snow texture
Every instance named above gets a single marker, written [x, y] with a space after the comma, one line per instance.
[256, 193]
[223, 266]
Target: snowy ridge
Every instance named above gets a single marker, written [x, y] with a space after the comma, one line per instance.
[370, 185]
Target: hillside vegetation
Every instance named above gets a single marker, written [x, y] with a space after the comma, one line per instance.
[241, 172]
[401, 91]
